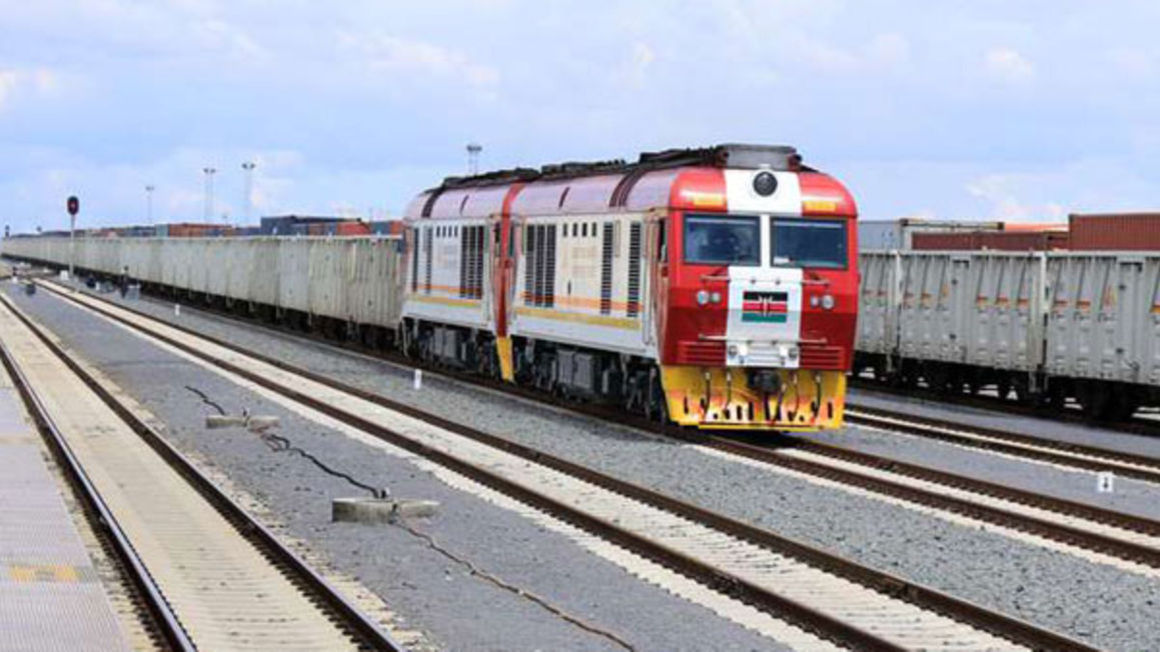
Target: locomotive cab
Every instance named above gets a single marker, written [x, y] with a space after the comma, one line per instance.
[761, 272]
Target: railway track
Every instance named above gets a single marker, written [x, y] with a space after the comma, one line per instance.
[825, 595]
[1136, 425]
[209, 576]
[1106, 535]
[1053, 451]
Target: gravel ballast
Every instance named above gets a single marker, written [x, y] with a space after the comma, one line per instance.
[1100, 604]
[431, 592]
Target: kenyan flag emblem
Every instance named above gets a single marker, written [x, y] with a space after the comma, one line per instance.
[765, 307]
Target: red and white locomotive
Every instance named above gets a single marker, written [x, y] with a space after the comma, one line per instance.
[712, 287]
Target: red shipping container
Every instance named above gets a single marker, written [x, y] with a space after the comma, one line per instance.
[352, 228]
[1115, 232]
[944, 240]
[1023, 240]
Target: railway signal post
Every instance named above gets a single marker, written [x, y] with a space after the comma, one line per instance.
[74, 206]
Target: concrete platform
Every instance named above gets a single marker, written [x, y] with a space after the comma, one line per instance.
[50, 595]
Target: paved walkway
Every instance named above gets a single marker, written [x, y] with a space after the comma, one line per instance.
[50, 596]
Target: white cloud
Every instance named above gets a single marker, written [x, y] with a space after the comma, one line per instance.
[8, 80]
[386, 52]
[1008, 65]
[36, 81]
[889, 50]
[1132, 61]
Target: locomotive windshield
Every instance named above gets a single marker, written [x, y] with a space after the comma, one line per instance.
[722, 240]
[809, 243]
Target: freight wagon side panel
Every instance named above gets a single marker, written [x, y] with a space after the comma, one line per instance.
[216, 265]
[328, 275]
[878, 305]
[1150, 328]
[1070, 320]
[1001, 312]
[294, 272]
[1123, 313]
[264, 270]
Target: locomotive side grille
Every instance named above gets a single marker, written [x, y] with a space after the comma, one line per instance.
[705, 353]
[530, 267]
[821, 357]
[464, 262]
[538, 284]
[480, 246]
[634, 269]
[550, 267]
[428, 246]
[415, 235]
[471, 262]
[606, 270]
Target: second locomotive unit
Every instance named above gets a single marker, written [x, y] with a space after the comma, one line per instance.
[713, 287]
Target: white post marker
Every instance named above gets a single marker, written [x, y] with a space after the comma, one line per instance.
[418, 379]
[1105, 482]
[177, 310]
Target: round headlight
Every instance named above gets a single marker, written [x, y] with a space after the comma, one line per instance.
[702, 297]
[828, 301]
[792, 354]
[764, 183]
[733, 350]
[715, 297]
[814, 301]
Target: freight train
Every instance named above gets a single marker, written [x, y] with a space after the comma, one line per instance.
[712, 287]
[1038, 327]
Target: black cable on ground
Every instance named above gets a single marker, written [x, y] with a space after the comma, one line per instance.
[278, 443]
[207, 400]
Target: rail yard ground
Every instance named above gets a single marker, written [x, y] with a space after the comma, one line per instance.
[589, 598]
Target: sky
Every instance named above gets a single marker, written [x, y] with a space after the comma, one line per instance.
[946, 109]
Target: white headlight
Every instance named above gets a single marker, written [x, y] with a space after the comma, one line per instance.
[828, 301]
[702, 297]
[715, 297]
[814, 301]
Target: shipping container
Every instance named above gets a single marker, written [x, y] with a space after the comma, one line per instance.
[898, 234]
[1115, 232]
[352, 228]
[1024, 240]
[990, 240]
[286, 224]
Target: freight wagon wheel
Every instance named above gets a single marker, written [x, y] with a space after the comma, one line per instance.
[1096, 400]
[1123, 406]
[1003, 387]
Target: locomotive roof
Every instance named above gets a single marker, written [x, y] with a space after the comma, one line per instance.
[733, 155]
[592, 187]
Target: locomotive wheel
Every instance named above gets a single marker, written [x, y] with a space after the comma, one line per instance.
[656, 408]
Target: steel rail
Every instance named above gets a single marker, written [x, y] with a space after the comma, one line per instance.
[1133, 426]
[1017, 444]
[366, 631]
[768, 454]
[924, 597]
[100, 516]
